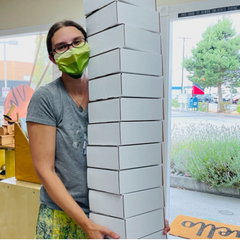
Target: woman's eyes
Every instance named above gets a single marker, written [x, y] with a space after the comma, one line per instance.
[62, 47]
[77, 42]
[66, 46]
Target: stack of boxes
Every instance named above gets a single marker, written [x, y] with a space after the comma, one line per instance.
[125, 132]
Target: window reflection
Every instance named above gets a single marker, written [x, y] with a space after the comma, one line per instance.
[24, 67]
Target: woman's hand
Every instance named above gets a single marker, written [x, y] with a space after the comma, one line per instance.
[166, 228]
[99, 232]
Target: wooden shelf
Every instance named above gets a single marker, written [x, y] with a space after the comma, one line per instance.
[7, 157]
[24, 166]
[8, 146]
[19, 205]
[2, 177]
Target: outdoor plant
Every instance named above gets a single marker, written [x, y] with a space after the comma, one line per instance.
[175, 103]
[202, 106]
[208, 153]
[214, 61]
[238, 107]
[224, 106]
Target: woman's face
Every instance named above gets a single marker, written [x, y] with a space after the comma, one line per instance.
[65, 35]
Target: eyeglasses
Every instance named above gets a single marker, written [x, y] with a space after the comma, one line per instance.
[64, 47]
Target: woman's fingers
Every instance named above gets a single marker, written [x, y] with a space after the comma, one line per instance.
[166, 228]
[109, 233]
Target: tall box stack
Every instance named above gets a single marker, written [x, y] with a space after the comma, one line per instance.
[125, 131]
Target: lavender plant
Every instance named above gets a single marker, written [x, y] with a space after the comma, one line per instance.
[208, 153]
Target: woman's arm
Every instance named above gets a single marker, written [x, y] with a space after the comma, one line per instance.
[42, 140]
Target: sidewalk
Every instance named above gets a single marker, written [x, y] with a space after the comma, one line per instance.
[211, 113]
[203, 205]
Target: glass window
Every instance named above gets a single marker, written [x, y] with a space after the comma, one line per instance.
[205, 126]
[24, 67]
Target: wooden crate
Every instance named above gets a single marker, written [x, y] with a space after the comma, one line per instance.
[7, 157]
[7, 129]
[19, 205]
[6, 139]
[24, 170]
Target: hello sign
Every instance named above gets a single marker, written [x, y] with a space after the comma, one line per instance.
[196, 228]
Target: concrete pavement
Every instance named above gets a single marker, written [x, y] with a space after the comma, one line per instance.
[204, 205]
[184, 118]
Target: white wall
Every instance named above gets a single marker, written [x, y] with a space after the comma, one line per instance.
[175, 2]
[23, 14]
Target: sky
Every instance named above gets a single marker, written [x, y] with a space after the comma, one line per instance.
[23, 51]
[192, 29]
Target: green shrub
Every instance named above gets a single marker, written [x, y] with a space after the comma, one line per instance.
[208, 153]
[175, 103]
[224, 106]
[202, 107]
[238, 107]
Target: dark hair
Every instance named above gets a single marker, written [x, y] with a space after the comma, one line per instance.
[55, 27]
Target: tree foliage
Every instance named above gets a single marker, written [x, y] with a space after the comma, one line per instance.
[215, 61]
[41, 63]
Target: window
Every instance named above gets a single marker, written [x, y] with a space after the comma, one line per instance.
[24, 67]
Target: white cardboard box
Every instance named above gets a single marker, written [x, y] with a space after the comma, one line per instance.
[124, 157]
[125, 133]
[117, 13]
[125, 60]
[125, 85]
[157, 235]
[125, 181]
[125, 109]
[135, 227]
[125, 36]
[93, 5]
[127, 205]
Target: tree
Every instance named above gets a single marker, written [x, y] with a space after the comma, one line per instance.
[42, 72]
[216, 59]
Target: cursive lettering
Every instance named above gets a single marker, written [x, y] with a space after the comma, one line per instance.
[213, 228]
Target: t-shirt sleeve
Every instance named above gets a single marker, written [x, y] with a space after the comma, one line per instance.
[41, 108]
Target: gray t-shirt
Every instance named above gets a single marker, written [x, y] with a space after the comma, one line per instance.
[52, 105]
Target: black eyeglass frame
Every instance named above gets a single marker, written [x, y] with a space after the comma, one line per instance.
[68, 45]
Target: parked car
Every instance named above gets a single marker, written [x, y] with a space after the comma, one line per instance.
[227, 97]
[214, 97]
[236, 98]
[204, 98]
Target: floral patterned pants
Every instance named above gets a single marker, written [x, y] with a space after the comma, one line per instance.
[55, 224]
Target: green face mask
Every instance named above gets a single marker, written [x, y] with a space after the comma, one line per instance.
[73, 61]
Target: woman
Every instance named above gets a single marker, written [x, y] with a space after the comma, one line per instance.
[57, 126]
